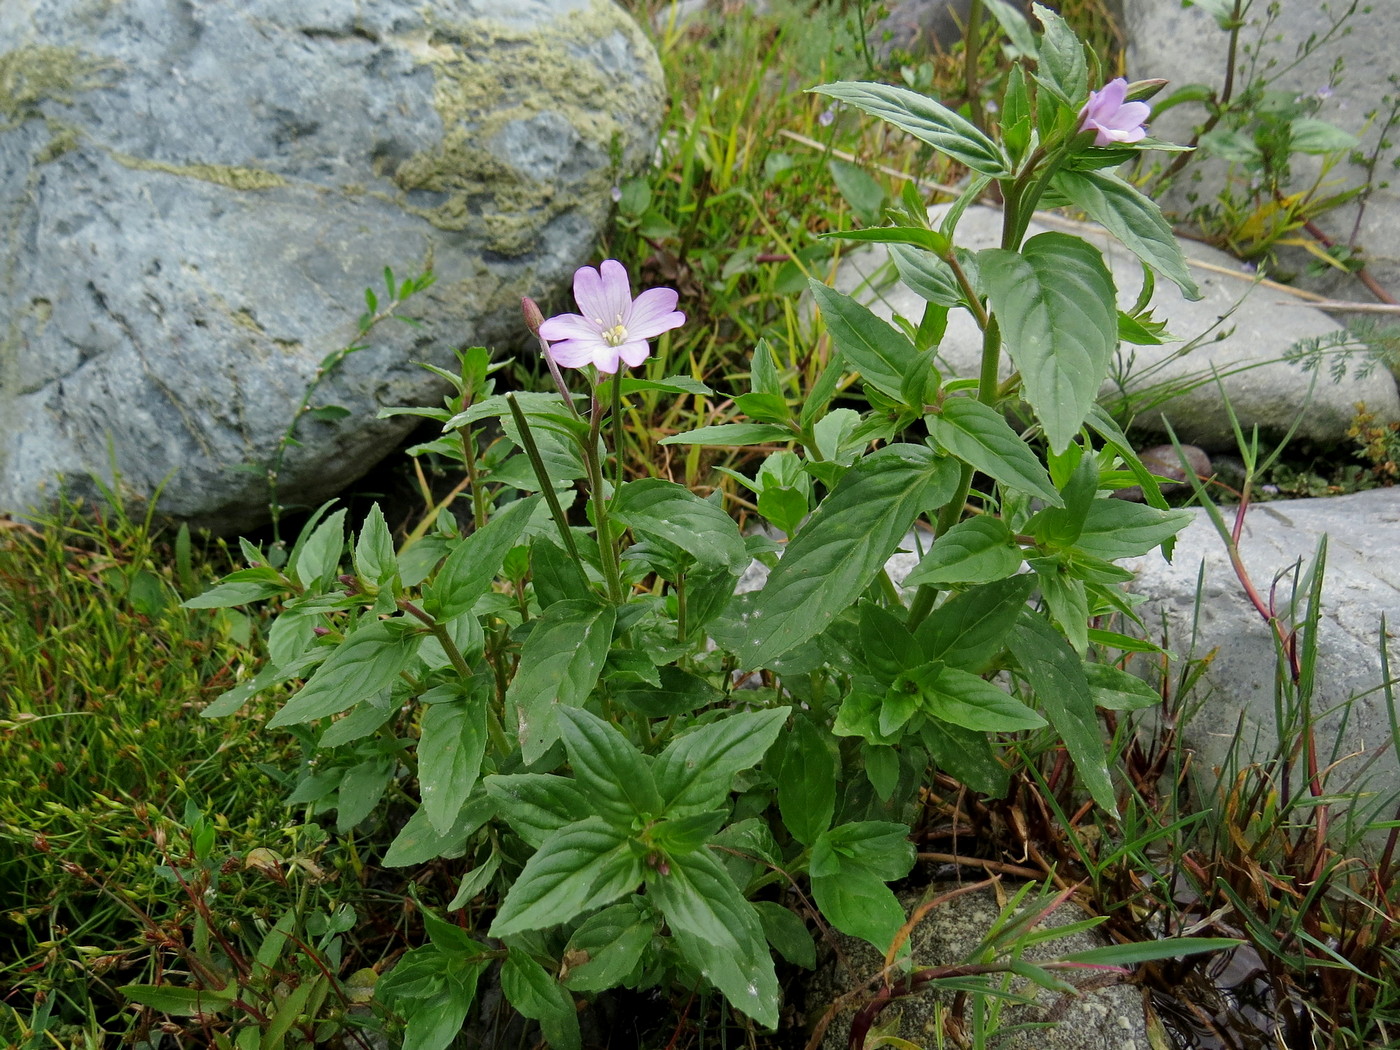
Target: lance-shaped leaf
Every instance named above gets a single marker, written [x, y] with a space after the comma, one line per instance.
[1060, 63]
[1115, 528]
[1131, 217]
[964, 699]
[611, 943]
[731, 434]
[1055, 302]
[880, 354]
[468, 571]
[559, 666]
[611, 773]
[837, 554]
[718, 932]
[656, 507]
[451, 744]
[980, 436]
[979, 550]
[366, 662]
[536, 805]
[926, 120]
[580, 867]
[696, 770]
[536, 995]
[1056, 676]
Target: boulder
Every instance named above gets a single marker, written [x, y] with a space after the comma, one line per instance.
[1234, 700]
[1239, 331]
[1106, 1014]
[1344, 70]
[194, 197]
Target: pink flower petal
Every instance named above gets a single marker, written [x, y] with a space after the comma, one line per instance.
[654, 312]
[589, 294]
[568, 326]
[575, 353]
[606, 359]
[1110, 98]
[1132, 115]
[634, 352]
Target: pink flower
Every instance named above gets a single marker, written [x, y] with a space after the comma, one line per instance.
[1114, 119]
[613, 326]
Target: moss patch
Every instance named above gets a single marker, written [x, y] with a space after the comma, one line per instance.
[234, 178]
[487, 77]
[38, 73]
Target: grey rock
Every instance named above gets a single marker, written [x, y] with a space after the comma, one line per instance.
[1246, 348]
[1361, 584]
[1183, 43]
[1109, 1016]
[194, 196]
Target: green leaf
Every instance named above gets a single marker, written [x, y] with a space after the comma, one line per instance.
[859, 904]
[918, 236]
[878, 352]
[865, 196]
[181, 1002]
[1056, 676]
[926, 120]
[669, 385]
[1115, 528]
[979, 550]
[849, 868]
[473, 564]
[366, 662]
[611, 943]
[1055, 303]
[718, 932]
[735, 435]
[1014, 25]
[1131, 217]
[417, 842]
[837, 554]
[696, 771]
[806, 781]
[787, 933]
[927, 275]
[879, 846]
[980, 436]
[615, 779]
[317, 560]
[968, 755]
[659, 508]
[1060, 63]
[451, 745]
[964, 699]
[374, 551]
[1147, 951]
[538, 996]
[536, 805]
[361, 788]
[1118, 690]
[559, 666]
[1310, 135]
[239, 588]
[970, 630]
[580, 867]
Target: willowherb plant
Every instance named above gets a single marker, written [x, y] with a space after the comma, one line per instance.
[563, 694]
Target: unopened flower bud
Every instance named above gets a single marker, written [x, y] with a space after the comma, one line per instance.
[533, 317]
[1142, 90]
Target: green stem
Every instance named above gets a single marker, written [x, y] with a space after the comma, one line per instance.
[617, 429]
[972, 50]
[473, 475]
[444, 637]
[532, 452]
[607, 553]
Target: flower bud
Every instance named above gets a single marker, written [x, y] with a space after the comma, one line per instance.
[1142, 90]
[533, 317]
